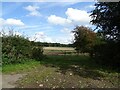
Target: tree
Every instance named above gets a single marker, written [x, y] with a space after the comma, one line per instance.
[84, 39]
[106, 17]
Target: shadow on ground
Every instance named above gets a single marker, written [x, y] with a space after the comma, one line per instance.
[78, 65]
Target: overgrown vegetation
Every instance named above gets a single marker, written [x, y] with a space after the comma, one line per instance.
[18, 49]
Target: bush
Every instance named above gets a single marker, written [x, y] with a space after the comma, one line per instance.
[108, 54]
[15, 49]
[18, 49]
[37, 53]
[7, 59]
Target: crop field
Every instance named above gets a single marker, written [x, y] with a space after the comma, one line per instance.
[58, 50]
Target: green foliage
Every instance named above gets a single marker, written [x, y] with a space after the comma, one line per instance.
[17, 49]
[6, 60]
[37, 53]
[16, 45]
[106, 17]
[108, 54]
[84, 39]
[20, 67]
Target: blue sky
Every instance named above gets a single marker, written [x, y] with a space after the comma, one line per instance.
[46, 21]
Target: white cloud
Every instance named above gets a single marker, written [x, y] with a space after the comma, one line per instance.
[90, 6]
[11, 21]
[68, 35]
[16, 22]
[65, 30]
[1, 21]
[40, 36]
[33, 10]
[63, 40]
[58, 20]
[76, 15]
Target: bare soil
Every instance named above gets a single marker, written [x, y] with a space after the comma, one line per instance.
[9, 81]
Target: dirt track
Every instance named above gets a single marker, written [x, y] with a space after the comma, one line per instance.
[8, 81]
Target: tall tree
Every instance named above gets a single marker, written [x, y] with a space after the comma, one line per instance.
[106, 16]
[84, 39]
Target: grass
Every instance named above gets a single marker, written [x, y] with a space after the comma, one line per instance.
[64, 72]
[19, 68]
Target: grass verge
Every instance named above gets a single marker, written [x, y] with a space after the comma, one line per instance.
[20, 68]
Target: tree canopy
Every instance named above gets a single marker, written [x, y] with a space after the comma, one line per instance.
[106, 16]
[84, 39]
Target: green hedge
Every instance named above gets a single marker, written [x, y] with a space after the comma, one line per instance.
[18, 49]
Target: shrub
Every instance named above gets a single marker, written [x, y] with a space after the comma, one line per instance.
[108, 54]
[15, 47]
[7, 59]
[37, 53]
[18, 49]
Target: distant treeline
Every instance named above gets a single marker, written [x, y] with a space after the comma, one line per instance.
[45, 44]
